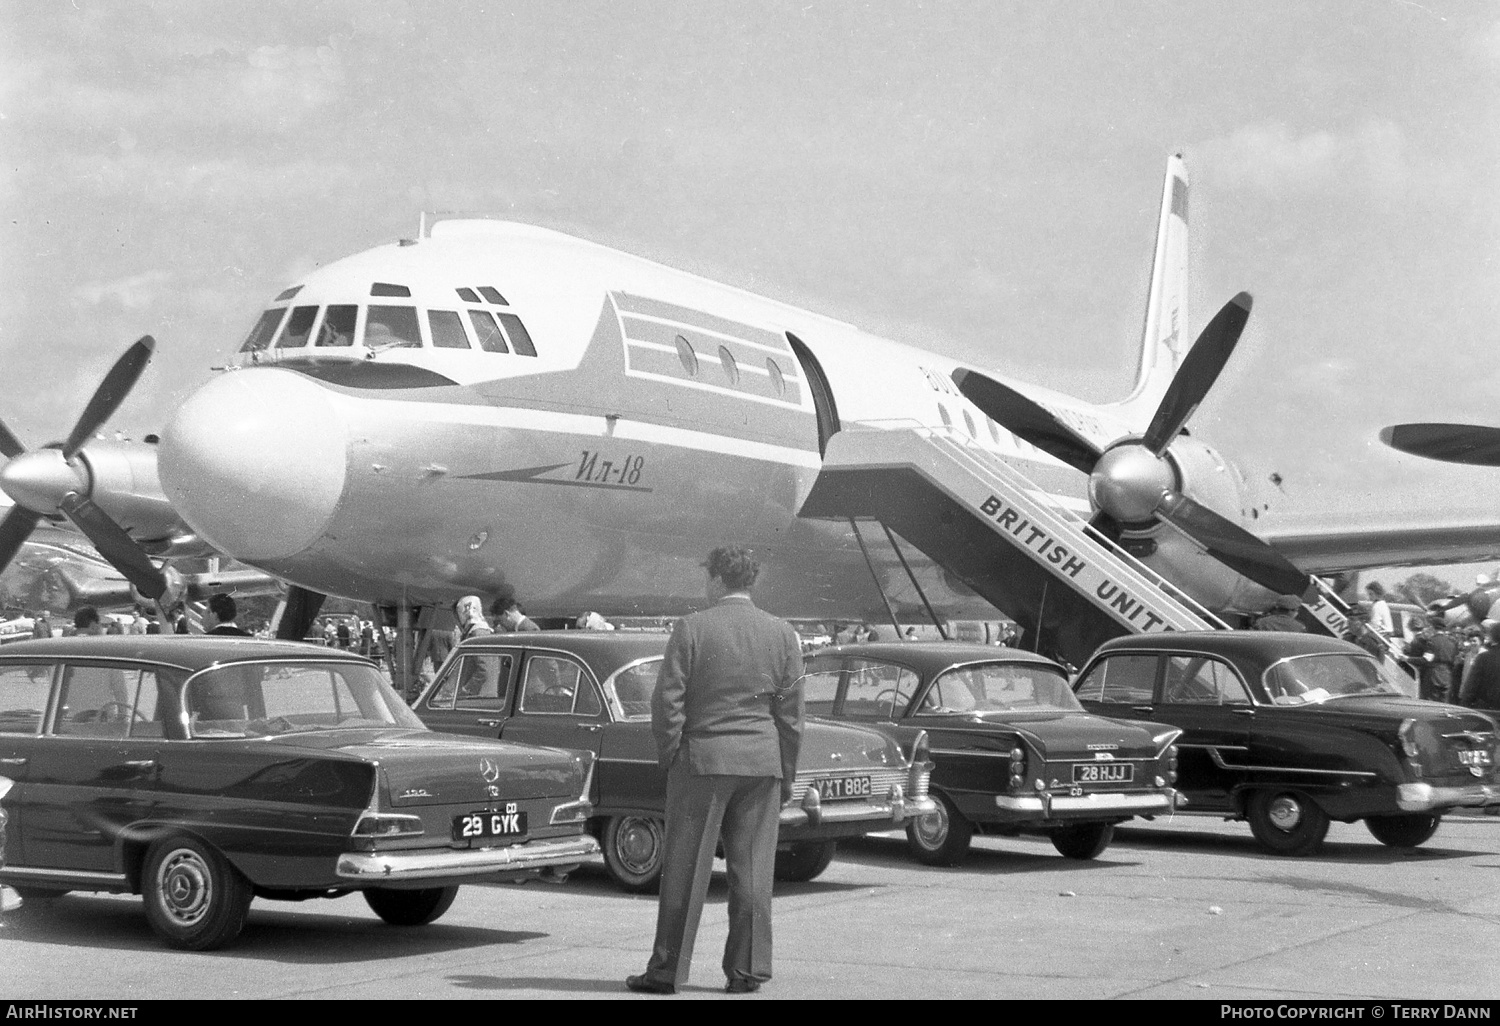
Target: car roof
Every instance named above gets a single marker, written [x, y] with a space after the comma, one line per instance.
[1259, 648]
[931, 656]
[186, 651]
[603, 651]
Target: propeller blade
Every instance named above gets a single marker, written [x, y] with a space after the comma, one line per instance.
[10, 445]
[1452, 443]
[1233, 546]
[14, 530]
[301, 610]
[110, 393]
[1199, 370]
[1027, 419]
[115, 545]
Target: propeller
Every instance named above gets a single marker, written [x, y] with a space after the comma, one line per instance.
[46, 478]
[1133, 482]
[1452, 443]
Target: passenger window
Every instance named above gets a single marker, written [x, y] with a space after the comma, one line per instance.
[483, 681]
[731, 368]
[686, 356]
[447, 329]
[877, 691]
[23, 697]
[264, 330]
[1122, 679]
[1198, 680]
[487, 332]
[630, 689]
[778, 380]
[552, 686]
[298, 328]
[95, 701]
[338, 326]
[819, 689]
[392, 327]
[520, 341]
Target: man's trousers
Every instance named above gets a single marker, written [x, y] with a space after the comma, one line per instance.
[746, 812]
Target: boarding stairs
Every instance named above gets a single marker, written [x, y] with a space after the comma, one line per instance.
[990, 526]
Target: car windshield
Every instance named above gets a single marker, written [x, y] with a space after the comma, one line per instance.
[261, 699]
[629, 689]
[1308, 679]
[998, 687]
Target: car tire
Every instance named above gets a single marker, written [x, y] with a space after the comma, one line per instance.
[940, 838]
[195, 900]
[1083, 840]
[1287, 822]
[804, 860]
[634, 849]
[410, 908]
[1404, 831]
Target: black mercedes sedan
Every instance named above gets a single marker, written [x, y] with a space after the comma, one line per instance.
[1014, 751]
[204, 772]
[1290, 731]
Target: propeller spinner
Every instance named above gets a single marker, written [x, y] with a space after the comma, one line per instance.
[46, 481]
[1133, 482]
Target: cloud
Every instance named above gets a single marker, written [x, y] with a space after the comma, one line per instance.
[1268, 158]
[1486, 44]
[136, 292]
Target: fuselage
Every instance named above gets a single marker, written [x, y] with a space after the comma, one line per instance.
[498, 408]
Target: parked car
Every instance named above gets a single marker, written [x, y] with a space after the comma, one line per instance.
[1290, 731]
[588, 690]
[200, 772]
[1014, 751]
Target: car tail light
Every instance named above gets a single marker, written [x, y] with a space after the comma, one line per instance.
[921, 767]
[1407, 734]
[1172, 764]
[580, 810]
[387, 825]
[1017, 767]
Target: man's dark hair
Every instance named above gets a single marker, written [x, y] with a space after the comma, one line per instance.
[85, 618]
[223, 607]
[1494, 633]
[1376, 588]
[733, 565]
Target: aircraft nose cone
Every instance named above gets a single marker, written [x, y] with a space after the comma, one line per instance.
[1128, 481]
[255, 461]
[39, 479]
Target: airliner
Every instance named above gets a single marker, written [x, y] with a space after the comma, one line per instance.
[499, 408]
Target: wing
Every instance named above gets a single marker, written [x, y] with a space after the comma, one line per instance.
[1323, 548]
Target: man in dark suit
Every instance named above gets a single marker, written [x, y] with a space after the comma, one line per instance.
[223, 610]
[727, 717]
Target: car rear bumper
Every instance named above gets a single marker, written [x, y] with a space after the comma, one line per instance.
[398, 866]
[1091, 806]
[1428, 798]
[871, 816]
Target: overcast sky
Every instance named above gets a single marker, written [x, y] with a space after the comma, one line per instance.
[980, 178]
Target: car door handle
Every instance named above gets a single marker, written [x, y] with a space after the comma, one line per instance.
[1242, 710]
[1142, 708]
[20, 761]
[488, 723]
[592, 728]
[140, 763]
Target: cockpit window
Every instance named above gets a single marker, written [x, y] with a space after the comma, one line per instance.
[467, 295]
[264, 330]
[447, 329]
[519, 339]
[491, 340]
[381, 288]
[493, 295]
[288, 293]
[338, 326]
[392, 327]
[298, 328]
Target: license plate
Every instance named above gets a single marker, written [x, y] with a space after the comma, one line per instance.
[1474, 757]
[835, 788]
[1103, 772]
[483, 826]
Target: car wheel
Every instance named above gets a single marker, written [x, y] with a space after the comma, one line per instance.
[940, 838]
[1404, 831]
[804, 860]
[194, 898]
[1083, 840]
[1287, 822]
[634, 847]
[410, 908]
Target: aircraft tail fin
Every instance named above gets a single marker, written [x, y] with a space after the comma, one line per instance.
[1164, 340]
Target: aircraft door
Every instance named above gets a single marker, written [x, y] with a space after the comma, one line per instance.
[473, 696]
[822, 395]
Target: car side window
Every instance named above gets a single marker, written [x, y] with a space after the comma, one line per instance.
[483, 680]
[24, 691]
[1199, 680]
[558, 686]
[820, 687]
[1121, 679]
[96, 701]
[877, 691]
